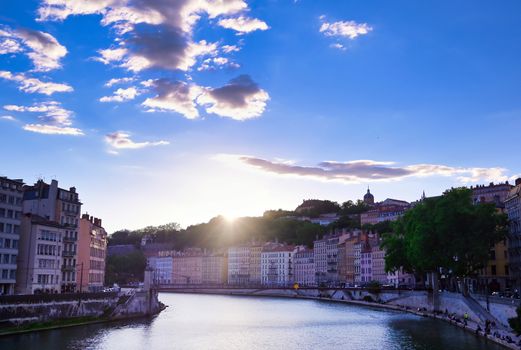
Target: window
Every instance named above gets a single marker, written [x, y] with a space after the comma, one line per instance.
[7, 243]
[493, 270]
[506, 270]
[492, 255]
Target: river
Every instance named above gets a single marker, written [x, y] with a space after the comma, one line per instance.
[236, 322]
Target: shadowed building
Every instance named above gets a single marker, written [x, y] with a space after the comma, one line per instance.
[513, 209]
[10, 215]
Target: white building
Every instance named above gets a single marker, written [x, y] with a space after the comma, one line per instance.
[277, 266]
[304, 266]
[40, 262]
[10, 215]
[62, 207]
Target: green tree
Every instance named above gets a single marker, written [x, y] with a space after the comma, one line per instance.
[448, 232]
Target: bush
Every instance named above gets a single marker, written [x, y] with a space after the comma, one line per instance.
[515, 322]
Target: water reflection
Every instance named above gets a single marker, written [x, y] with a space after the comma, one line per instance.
[225, 322]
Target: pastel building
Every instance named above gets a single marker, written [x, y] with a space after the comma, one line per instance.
[10, 216]
[277, 265]
[378, 264]
[40, 256]
[366, 263]
[187, 266]
[303, 266]
[92, 252]
[214, 268]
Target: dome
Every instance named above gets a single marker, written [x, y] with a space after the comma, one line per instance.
[368, 197]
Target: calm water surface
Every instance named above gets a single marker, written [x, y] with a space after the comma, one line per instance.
[228, 322]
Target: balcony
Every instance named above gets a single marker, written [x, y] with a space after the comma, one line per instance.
[68, 268]
[68, 253]
[67, 239]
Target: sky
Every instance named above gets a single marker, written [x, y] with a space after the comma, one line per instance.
[164, 111]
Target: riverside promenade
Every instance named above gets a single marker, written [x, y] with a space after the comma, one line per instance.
[445, 306]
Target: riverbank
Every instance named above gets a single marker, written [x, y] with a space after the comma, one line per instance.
[470, 327]
[24, 314]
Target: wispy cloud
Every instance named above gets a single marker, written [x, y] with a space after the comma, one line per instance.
[369, 170]
[54, 119]
[34, 85]
[121, 140]
[8, 118]
[115, 81]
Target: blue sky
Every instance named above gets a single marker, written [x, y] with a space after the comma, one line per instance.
[233, 107]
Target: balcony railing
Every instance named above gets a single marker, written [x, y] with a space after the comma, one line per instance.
[69, 239]
[68, 268]
[68, 253]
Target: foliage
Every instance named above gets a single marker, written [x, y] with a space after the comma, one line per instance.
[123, 269]
[315, 207]
[448, 232]
[374, 287]
[515, 322]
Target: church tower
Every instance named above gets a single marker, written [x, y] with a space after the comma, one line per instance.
[368, 197]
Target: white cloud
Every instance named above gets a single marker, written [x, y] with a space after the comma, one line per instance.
[42, 48]
[121, 140]
[111, 55]
[338, 46]
[347, 29]
[240, 99]
[215, 63]
[115, 81]
[8, 118]
[243, 24]
[52, 129]
[9, 46]
[174, 96]
[34, 85]
[121, 95]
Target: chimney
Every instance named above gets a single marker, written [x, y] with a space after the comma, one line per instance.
[518, 181]
[72, 189]
[85, 216]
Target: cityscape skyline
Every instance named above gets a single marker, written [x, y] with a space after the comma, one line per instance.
[225, 111]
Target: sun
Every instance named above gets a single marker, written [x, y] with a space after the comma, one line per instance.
[230, 217]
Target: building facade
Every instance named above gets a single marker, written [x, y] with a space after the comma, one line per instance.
[239, 265]
[62, 207]
[214, 269]
[304, 266]
[277, 266]
[255, 264]
[40, 263]
[187, 266]
[10, 216]
[162, 267]
[513, 209]
[92, 253]
[378, 264]
[494, 276]
[366, 263]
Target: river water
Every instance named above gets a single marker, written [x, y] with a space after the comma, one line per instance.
[236, 322]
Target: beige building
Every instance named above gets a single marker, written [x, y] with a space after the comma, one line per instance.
[92, 252]
[40, 256]
[187, 266]
[62, 207]
[495, 276]
[255, 264]
[303, 266]
[239, 265]
[214, 269]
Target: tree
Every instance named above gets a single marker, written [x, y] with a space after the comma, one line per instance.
[445, 232]
[515, 322]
